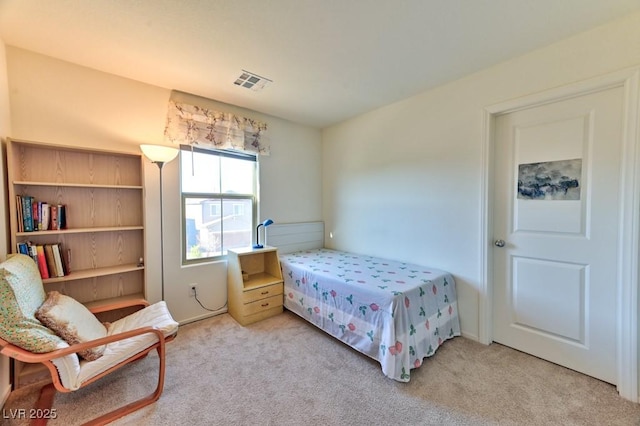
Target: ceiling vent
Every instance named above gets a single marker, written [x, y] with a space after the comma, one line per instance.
[252, 81]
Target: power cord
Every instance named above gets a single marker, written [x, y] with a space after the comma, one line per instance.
[195, 295]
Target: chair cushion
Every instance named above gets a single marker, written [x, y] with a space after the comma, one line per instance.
[21, 294]
[72, 321]
[156, 315]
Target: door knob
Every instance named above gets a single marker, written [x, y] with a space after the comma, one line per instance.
[499, 243]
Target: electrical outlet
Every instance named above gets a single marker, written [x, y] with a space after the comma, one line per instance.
[193, 288]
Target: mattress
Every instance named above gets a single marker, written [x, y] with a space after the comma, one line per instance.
[394, 312]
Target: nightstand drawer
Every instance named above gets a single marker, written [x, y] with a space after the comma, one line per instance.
[262, 305]
[261, 293]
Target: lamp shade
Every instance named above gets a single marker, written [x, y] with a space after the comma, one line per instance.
[158, 153]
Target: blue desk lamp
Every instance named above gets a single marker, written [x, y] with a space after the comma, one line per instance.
[265, 224]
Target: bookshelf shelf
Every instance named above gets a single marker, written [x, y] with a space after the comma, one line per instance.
[109, 304]
[81, 230]
[96, 272]
[77, 185]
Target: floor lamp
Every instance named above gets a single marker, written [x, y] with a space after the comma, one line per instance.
[160, 155]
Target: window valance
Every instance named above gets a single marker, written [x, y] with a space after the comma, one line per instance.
[196, 125]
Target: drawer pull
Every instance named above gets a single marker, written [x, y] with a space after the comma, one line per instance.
[264, 305]
[265, 292]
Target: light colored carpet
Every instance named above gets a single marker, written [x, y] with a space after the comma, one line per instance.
[283, 371]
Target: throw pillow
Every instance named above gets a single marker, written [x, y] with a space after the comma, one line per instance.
[21, 293]
[72, 321]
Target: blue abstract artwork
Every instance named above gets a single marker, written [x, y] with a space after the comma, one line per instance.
[550, 180]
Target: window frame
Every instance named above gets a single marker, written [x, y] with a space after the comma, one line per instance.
[218, 196]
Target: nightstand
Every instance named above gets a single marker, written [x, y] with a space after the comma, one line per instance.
[254, 284]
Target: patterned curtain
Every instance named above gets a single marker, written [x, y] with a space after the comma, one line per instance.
[195, 125]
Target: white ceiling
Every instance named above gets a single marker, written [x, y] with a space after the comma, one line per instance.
[329, 59]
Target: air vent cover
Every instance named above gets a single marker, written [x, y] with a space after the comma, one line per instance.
[252, 81]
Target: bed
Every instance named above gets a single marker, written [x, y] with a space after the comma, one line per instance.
[396, 313]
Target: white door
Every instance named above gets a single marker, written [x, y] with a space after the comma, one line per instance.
[557, 180]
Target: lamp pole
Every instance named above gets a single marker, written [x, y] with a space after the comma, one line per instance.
[257, 244]
[160, 155]
[160, 164]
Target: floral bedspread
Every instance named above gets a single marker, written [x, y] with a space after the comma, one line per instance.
[396, 313]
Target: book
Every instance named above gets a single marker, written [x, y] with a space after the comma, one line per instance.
[57, 255]
[62, 216]
[66, 260]
[38, 215]
[45, 213]
[32, 251]
[23, 248]
[34, 214]
[27, 218]
[19, 211]
[42, 262]
[51, 261]
[54, 217]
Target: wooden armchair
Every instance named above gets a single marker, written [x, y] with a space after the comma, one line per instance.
[127, 339]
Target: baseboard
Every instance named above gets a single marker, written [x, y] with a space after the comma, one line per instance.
[470, 336]
[203, 316]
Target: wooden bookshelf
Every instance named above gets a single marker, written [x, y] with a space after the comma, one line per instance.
[103, 194]
[102, 191]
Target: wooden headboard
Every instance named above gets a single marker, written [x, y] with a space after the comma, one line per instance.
[290, 237]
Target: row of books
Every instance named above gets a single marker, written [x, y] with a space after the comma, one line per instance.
[39, 216]
[51, 259]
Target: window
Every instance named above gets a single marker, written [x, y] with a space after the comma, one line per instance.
[219, 201]
[238, 209]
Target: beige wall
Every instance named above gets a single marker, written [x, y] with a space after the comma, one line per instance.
[5, 130]
[61, 103]
[404, 181]
[289, 192]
